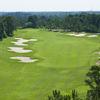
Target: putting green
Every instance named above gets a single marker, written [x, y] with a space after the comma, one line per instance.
[63, 63]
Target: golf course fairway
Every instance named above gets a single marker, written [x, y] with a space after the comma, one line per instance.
[62, 64]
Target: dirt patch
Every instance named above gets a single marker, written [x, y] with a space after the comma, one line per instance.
[18, 50]
[24, 59]
[21, 41]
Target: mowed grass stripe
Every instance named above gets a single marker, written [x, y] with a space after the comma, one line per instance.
[15, 79]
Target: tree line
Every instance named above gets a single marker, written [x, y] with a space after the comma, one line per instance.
[93, 81]
[7, 25]
[77, 23]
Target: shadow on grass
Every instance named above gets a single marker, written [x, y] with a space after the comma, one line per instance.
[0, 39]
[10, 35]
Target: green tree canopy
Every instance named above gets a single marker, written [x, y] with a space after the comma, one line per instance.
[9, 26]
[1, 30]
[93, 80]
[33, 19]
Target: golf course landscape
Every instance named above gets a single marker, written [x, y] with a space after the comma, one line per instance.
[62, 63]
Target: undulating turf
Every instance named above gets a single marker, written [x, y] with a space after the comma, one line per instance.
[63, 63]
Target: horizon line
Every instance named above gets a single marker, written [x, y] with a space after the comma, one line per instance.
[56, 11]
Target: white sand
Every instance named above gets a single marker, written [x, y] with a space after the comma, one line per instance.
[80, 35]
[71, 34]
[97, 52]
[18, 50]
[21, 41]
[24, 59]
[92, 35]
[98, 63]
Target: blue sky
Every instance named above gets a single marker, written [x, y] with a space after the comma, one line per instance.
[49, 5]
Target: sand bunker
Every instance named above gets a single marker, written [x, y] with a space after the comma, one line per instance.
[98, 63]
[80, 35]
[71, 34]
[77, 34]
[24, 59]
[92, 36]
[21, 41]
[18, 50]
[97, 52]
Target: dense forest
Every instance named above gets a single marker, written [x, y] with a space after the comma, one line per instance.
[7, 25]
[77, 23]
[68, 21]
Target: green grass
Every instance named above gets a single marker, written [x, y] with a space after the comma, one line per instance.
[63, 62]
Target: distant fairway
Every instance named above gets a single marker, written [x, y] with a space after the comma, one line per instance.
[63, 63]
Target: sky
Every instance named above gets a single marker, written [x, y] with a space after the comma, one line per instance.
[49, 5]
